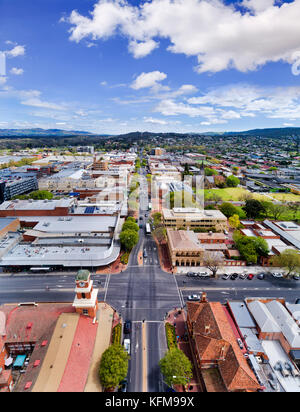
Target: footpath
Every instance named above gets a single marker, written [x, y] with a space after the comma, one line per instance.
[177, 318]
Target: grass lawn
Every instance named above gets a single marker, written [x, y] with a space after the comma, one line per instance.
[285, 197]
[233, 194]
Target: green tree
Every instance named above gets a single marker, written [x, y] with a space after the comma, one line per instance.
[129, 238]
[234, 221]
[254, 208]
[232, 181]
[210, 172]
[228, 209]
[176, 368]
[130, 226]
[113, 366]
[289, 260]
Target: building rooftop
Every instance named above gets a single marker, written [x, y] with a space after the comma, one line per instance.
[83, 275]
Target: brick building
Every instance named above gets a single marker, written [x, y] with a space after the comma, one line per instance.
[215, 347]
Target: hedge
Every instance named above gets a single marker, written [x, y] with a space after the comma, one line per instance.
[116, 334]
[171, 336]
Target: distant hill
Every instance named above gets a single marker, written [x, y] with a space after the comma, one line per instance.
[272, 132]
[41, 133]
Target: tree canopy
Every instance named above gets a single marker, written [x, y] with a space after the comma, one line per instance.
[113, 366]
[289, 260]
[176, 368]
[232, 181]
[129, 238]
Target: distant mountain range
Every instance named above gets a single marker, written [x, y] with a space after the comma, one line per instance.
[41, 133]
[31, 133]
[274, 132]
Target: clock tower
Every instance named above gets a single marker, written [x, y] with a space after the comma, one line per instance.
[85, 301]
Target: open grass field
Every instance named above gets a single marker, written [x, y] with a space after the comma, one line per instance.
[233, 194]
[285, 197]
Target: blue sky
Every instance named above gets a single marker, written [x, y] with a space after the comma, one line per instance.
[114, 66]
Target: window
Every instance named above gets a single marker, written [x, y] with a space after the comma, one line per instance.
[85, 312]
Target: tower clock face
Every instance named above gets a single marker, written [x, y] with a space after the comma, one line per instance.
[82, 284]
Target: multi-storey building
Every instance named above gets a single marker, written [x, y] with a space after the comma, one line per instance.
[192, 218]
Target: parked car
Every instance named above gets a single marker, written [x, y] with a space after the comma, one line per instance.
[127, 345]
[243, 276]
[261, 276]
[234, 276]
[273, 382]
[296, 277]
[240, 343]
[192, 274]
[297, 302]
[277, 275]
[250, 276]
[123, 386]
[225, 276]
[127, 327]
[194, 298]
[282, 368]
[203, 275]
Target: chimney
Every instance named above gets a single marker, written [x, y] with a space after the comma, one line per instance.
[222, 354]
[203, 297]
[207, 329]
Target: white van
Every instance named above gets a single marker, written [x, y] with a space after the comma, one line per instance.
[127, 345]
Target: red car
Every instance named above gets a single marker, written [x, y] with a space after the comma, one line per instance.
[250, 276]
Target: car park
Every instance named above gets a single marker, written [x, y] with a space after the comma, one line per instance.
[127, 327]
[261, 276]
[234, 276]
[250, 276]
[194, 298]
[225, 276]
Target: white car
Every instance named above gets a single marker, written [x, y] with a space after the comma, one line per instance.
[127, 345]
[277, 275]
[194, 298]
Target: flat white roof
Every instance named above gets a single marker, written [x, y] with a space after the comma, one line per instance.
[275, 353]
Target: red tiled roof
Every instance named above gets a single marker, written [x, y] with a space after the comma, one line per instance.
[215, 341]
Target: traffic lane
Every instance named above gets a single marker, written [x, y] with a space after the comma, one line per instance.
[269, 281]
[136, 362]
[57, 296]
[156, 343]
[239, 294]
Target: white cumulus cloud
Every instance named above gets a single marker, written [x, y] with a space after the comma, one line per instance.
[219, 35]
[148, 80]
[17, 71]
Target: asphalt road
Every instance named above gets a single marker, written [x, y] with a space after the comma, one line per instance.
[143, 293]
